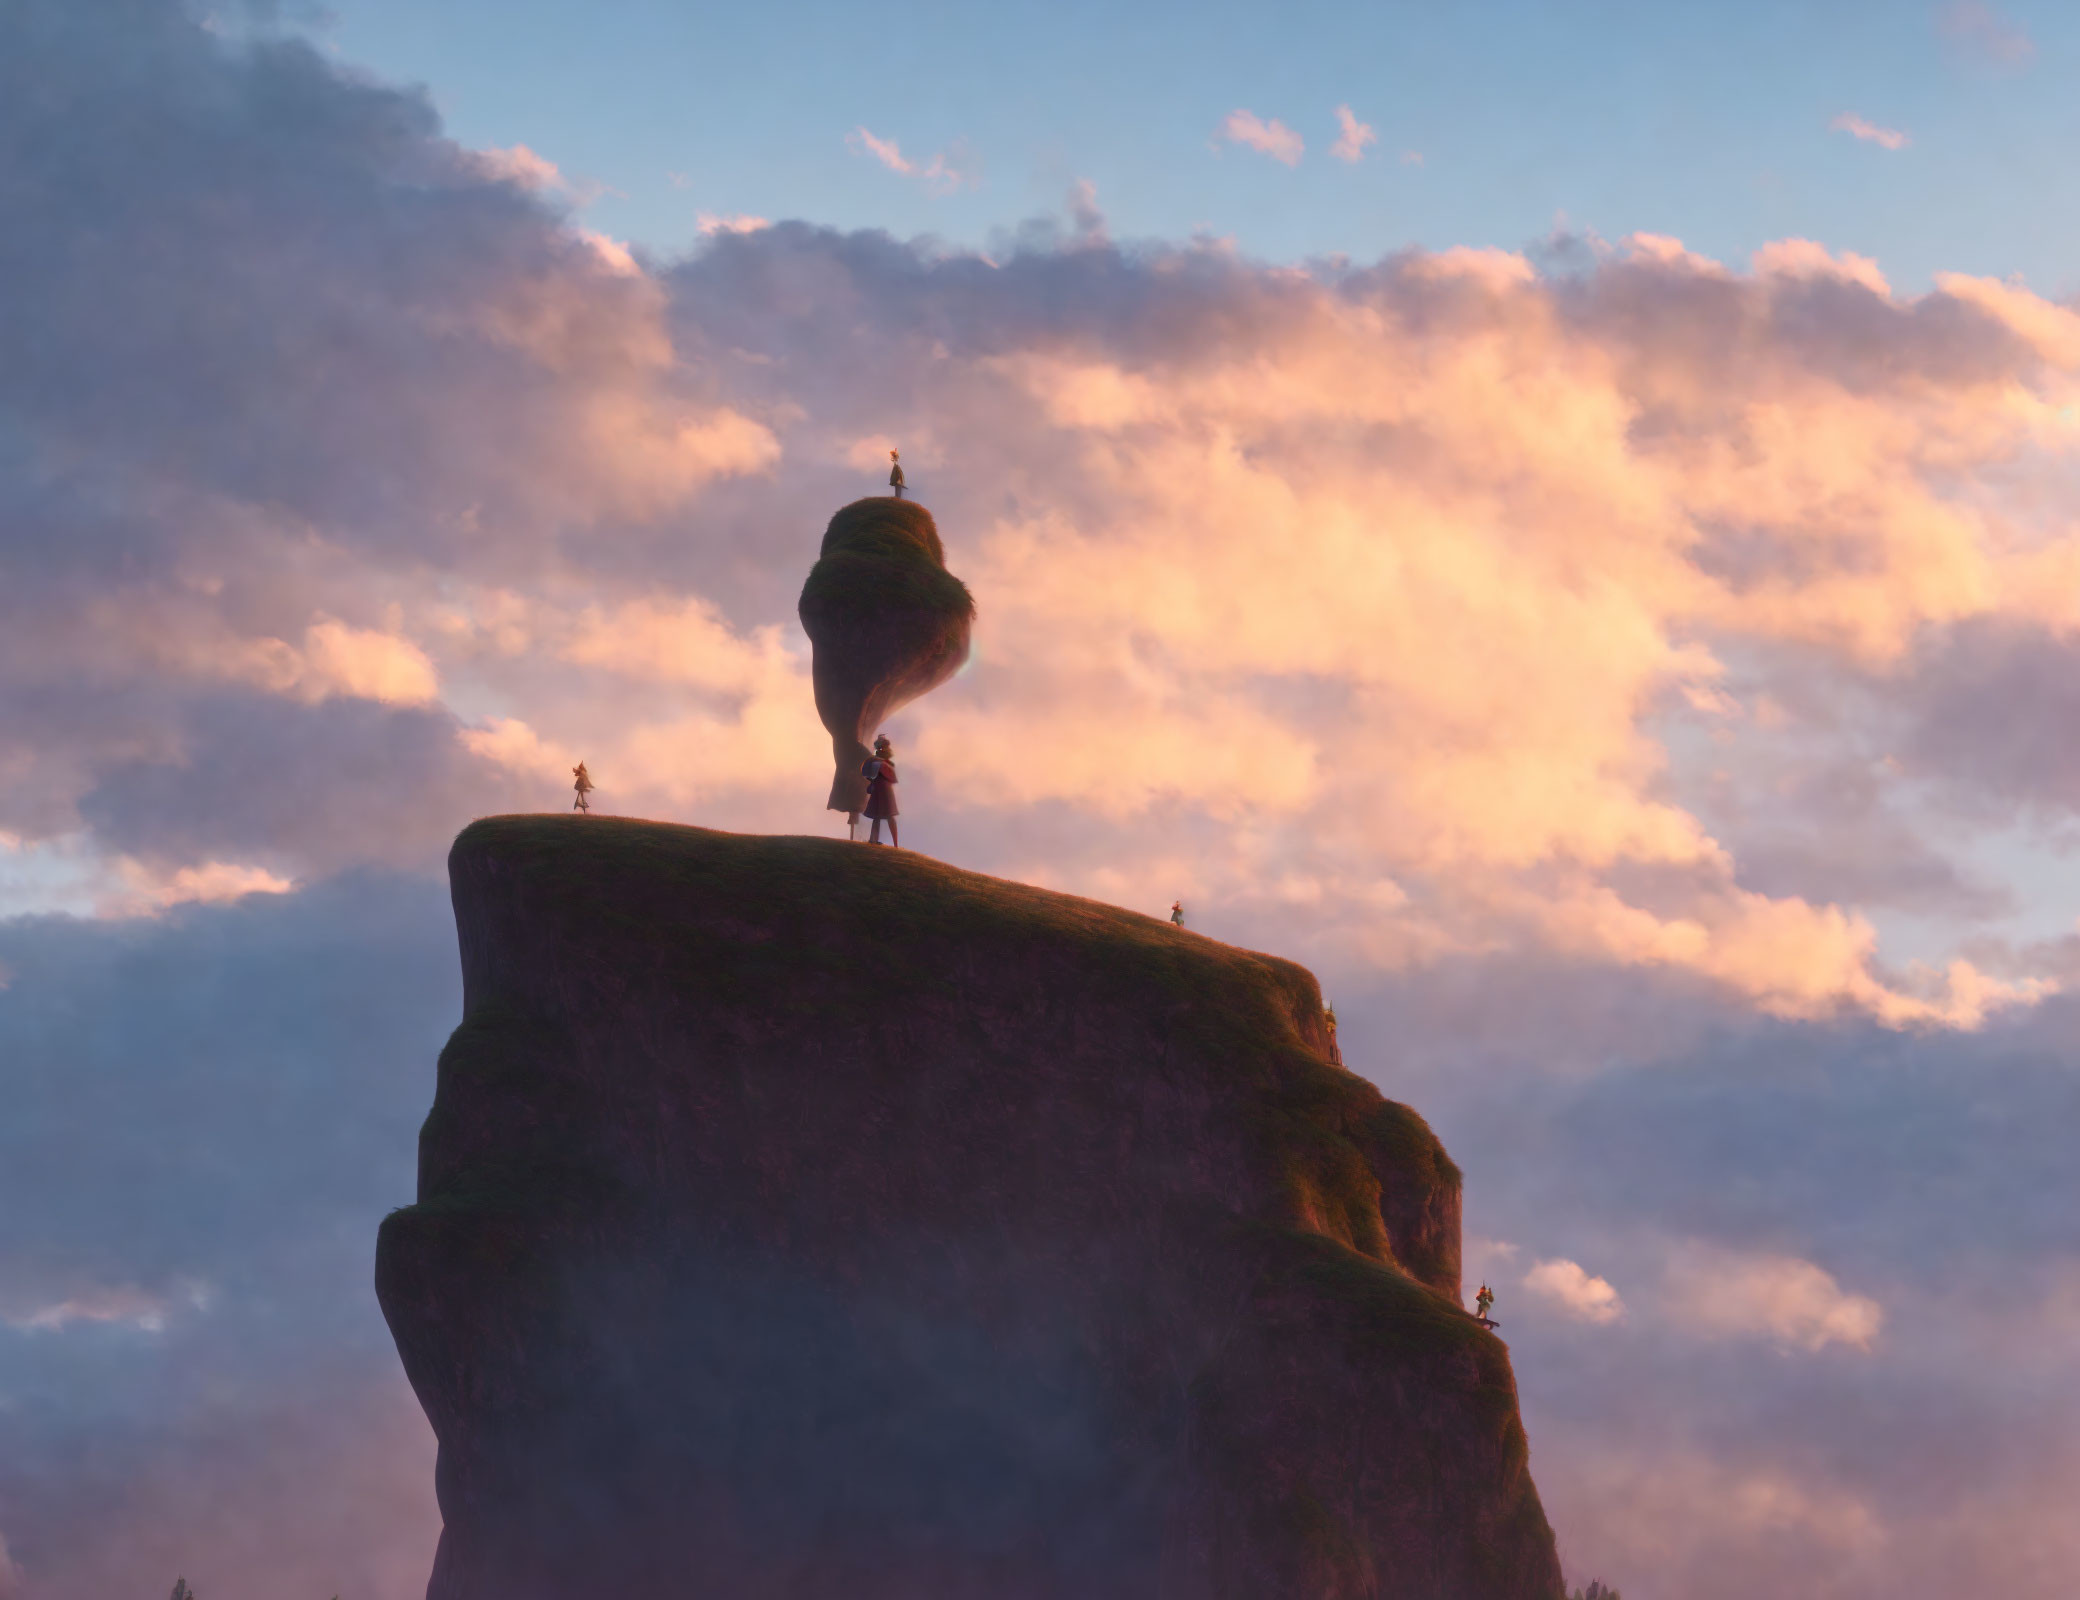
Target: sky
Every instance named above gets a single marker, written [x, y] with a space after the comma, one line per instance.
[1561, 518]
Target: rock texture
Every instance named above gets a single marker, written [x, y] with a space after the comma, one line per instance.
[801, 1221]
[887, 623]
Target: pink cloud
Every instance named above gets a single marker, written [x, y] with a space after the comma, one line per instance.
[946, 171]
[1438, 664]
[1273, 138]
[886, 151]
[1869, 132]
[1725, 1294]
[1564, 1286]
[520, 166]
[1353, 136]
[710, 224]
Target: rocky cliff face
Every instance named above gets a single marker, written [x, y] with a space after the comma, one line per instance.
[806, 1221]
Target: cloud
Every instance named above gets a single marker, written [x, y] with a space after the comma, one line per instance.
[948, 170]
[1803, 258]
[885, 151]
[1084, 213]
[1869, 132]
[1636, 688]
[519, 166]
[1353, 136]
[1563, 1285]
[1231, 577]
[710, 223]
[145, 891]
[1978, 28]
[1792, 1301]
[1273, 138]
[363, 662]
[1715, 1528]
[139, 1308]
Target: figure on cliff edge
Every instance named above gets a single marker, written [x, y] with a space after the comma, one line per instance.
[895, 473]
[1481, 1304]
[581, 780]
[879, 770]
[1177, 913]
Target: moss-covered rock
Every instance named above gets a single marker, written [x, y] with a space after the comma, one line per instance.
[887, 622]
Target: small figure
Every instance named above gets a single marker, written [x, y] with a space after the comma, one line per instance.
[584, 785]
[1481, 1303]
[895, 473]
[1335, 1049]
[880, 772]
[181, 1591]
[1177, 913]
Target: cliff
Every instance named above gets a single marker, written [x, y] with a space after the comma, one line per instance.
[800, 1220]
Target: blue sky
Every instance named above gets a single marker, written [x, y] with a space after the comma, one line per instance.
[1707, 121]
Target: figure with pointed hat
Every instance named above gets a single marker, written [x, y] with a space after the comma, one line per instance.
[582, 782]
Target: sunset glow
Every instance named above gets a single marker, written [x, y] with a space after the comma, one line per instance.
[1627, 649]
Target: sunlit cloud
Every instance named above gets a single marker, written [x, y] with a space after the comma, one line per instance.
[1571, 659]
[525, 169]
[1803, 258]
[146, 891]
[1725, 1294]
[1567, 1288]
[520, 166]
[948, 170]
[710, 223]
[886, 151]
[1869, 132]
[613, 253]
[1273, 138]
[1352, 136]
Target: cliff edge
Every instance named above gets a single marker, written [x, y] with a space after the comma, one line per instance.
[800, 1220]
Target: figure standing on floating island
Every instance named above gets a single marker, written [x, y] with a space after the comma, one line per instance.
[895, 473]
[582, 782]
[879, 770]
[1177, 912]
[887, 622]
[1481, 1304]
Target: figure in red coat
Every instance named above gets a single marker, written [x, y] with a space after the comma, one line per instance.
[880, 772]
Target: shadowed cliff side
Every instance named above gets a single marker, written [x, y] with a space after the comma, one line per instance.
[886, 622]
[801, 1221]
